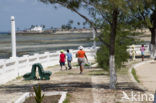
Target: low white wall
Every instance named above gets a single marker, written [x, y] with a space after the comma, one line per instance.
[14, 67]
[137, 50]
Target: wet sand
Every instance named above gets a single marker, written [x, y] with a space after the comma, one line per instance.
[29, 44]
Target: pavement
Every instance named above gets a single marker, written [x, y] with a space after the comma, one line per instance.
[147, 75]
[90, 87]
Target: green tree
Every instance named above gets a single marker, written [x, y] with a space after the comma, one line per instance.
[67, 26]
[112, 17]
[78, 23]
[71, 22]
[43, 26]
[103, 13]
[123, 40]
[32, 26]
[145, 17]
[63, 26]
[84, 24]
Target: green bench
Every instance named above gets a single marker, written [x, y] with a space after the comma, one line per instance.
[44, 75]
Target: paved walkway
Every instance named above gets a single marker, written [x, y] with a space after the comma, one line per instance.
[90, 87]
[147, 75]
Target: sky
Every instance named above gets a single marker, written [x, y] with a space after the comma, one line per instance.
[33, 12]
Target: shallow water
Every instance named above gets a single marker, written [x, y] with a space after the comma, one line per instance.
[29, 44]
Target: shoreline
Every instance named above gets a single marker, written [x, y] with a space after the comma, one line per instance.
[38, 43]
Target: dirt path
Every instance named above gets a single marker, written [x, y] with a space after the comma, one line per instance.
[90, 87]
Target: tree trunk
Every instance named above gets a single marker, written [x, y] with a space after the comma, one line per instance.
[113, 77]
[152, 45]
[94, 36]
[153, 35]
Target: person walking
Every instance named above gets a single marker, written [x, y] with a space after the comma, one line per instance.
[62, 59]
[81, 55]
[69, 59]
[142, 49]
[133, 52]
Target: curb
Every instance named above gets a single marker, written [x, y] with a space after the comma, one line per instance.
[132, 78]
[28, 94]
[135, 66]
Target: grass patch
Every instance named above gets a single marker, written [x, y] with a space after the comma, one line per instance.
[122, 71]
[76, 64]
[67, 100]
[49, 67]
[98, 72]
[134, 75]
[63, 72]
[19, 77]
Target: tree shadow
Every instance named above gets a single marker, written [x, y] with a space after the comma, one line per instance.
[99, 74]
[129, 86]
[69, 86]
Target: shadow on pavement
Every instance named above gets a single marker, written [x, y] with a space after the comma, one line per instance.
[70, 86]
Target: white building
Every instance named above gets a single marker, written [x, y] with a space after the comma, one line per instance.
[37, 29]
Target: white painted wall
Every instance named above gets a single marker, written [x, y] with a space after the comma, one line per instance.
[137, 49]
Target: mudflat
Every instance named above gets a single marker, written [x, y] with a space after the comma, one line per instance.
[28, 44]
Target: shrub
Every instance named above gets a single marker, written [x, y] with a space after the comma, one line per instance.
[123, 39]
[121, 56]
[135, 75]
[38, 94]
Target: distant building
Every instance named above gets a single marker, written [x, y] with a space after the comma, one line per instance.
[37, 29]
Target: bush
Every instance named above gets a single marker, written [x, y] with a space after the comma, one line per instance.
[123, 39]
[121, 56]
[103, 57]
